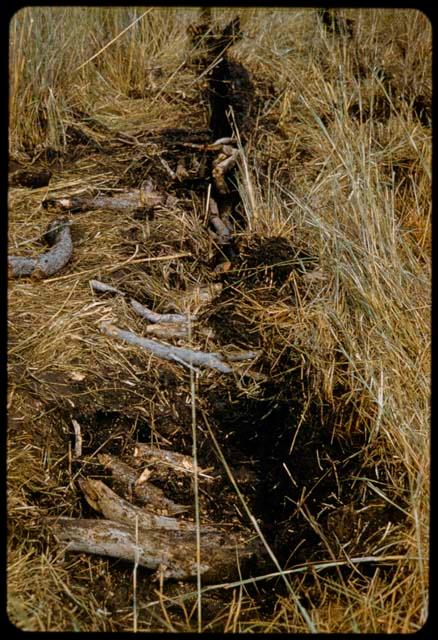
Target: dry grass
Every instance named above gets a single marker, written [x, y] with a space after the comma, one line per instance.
[326, 169]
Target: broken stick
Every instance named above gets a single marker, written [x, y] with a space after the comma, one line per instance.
[176, 461]
[110, 505]
[144, 491]
[172, 553]
[187, 357]
[59, 236]
[153, 316]
[134, 200]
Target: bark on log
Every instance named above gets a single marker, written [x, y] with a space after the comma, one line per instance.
[171, 553]
[59, 235]
[145, 492]
[187, 357]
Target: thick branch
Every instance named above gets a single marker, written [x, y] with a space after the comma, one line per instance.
[50, 262]
[128, 201]
[172, 553]
[110, 505]
[188, 357]
[153, 316]
[176, 461]
[144, 491]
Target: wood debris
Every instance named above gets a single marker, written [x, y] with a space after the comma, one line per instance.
[139, 487]
[134, 200]
[171, 553]
[187, 357]
[178, 462]
[139, 535]
[59, 236]
[154, 317]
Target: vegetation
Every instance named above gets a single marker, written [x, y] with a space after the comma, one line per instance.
[333, 289]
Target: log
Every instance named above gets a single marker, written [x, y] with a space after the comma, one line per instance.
[171, 553]
[187, 357]
[144, 491]
[110, 505]
[134, 200]
[178, 462]
[50, 262]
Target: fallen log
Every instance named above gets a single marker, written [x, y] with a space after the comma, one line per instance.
[171, 553]
[178, 462]
[134, 200]
[144, 491]
[187, 357]
[59, 236]
[110, 505]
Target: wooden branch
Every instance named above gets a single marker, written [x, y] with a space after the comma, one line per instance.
[171, 553]
[222, 165]
[146, 492]
[59, 236]
[176, 461]
[152, 316]
[221, 229]
[174, 330]
[239, 356]
[101, 287]
[187, 357]
[136, 199]
[110, 505]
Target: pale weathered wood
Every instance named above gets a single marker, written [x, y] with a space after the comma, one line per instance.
[153, 316]
[171, 553]
[113, 507]
[185, 356]
[50, 262]
[133, 200]
[144, 491]
[177, 462]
